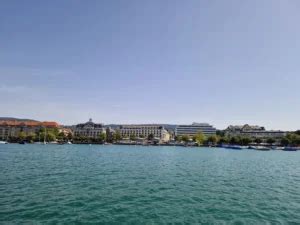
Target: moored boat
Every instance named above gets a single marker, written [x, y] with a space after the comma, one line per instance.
[262, 148]
[235, 147]
[3, 142]
[291, 149]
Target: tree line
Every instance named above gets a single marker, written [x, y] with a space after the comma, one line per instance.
[291, 139]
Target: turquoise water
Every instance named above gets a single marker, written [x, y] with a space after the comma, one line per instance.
[81, 184]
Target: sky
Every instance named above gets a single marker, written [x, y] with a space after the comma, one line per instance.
[160, 61]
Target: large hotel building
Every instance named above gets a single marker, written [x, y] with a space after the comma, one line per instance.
[12, 128]
[195, 128]
[89, 129]
[144, 131]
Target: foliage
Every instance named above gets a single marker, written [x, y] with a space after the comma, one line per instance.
[178, 138]
[245, 141]
[22, 136]
[285, 141]
[271, 141]
[185, 138]
[223, 140]
[118, 136]
[258, 140]
[102, 137]
[199, 138]
[31, 137]
[150, 137]
[213, 139]
[132, 137]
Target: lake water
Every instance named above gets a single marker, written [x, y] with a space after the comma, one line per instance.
[63, 184]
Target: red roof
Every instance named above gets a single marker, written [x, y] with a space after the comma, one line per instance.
[28, 123]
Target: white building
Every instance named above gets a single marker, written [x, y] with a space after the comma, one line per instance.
[89, 129]
[144, 131]
[253, 132]
[195, 128]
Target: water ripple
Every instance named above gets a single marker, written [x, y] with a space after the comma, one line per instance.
[147, 185]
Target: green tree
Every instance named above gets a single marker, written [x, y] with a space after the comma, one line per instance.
[118, 136]
[220, 133]
[178, 138]
[31, 137]
[271, 141]
[223, 140]
[285, 141]
[212, 140]
[199, 138]
[245, 141]
[102, 137]
[70, 136]
[185, 138]
[61, 136]
[132, 137]
[150, 137]
[234, 140]
[22, 136]
[257, 140]
[51, 136]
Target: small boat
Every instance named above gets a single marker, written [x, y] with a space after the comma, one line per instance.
[3, 142]
[277, 148]
[291, 149]
[22, 142]
[236, 147]
[262, 148]
[69, 142]
[53, 142]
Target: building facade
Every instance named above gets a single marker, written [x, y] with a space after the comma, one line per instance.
[195, 128]
[14, 128]
[89, 129]
[158, 132]
[253, 132]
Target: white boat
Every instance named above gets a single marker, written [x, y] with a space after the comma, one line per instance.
[262, 148]
[277, 148]
[69, 142]
[3, 142]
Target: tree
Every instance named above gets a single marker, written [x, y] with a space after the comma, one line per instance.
[285, 141]
[271, 141]
[258, 140]
[178, 138]
[297, 132]
[70, 136]
[185, 138]
[118, 136]
[22, 136]
[234, 140]
[51, 136]
[223, 140]
[102, 137]
[30, 137]
[150, 137]
[132, 137]
[245, 141]
[220, 133]
[213, 139]
[199, 138]
[61, 136]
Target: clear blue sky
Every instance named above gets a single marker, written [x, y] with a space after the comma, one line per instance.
[164, 61]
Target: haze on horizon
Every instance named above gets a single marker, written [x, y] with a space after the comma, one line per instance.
[172, 61]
